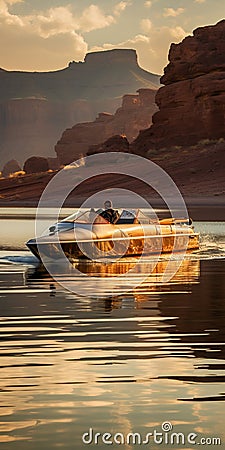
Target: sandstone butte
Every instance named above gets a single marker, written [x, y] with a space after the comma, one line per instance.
[187, 137]
[192, 101]
[35, 108]
[134, 115]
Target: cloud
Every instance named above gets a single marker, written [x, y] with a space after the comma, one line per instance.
[42, 41]
[10, 2]
[93, 18]
[148, 4]
[34, 53]
[151, 47]
[120, 7]
[57, 25]
[61, 19]
[55, 21]
[170, 12]
[4, 8]
[5, 16]
[146, 25]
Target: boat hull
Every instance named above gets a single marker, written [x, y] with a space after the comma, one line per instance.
[109, 248]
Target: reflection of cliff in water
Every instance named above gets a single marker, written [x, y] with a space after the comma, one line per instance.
[187, 313]
[193, 302]
[202, 313]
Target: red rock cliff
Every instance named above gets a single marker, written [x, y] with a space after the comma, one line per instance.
[192, 102]
[135, 114]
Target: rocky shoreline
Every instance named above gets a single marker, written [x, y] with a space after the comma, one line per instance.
[201, 203]
[199, 209]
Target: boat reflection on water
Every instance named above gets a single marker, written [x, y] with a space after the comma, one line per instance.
[118, 278]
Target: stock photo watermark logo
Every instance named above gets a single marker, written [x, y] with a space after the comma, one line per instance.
[83, 170]
[165, 436]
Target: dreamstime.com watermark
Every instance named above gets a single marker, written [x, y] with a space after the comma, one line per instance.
[166, 436]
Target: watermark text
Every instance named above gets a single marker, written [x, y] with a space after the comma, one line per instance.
[164, 436]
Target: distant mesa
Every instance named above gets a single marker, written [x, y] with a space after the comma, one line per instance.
[191, 104]
[101, 58]
[36, 107]
[76, 81]
[118, 56]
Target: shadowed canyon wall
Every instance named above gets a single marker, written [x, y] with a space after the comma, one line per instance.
[134, 114]
[36, 107]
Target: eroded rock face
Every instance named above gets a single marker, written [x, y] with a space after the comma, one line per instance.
[134, 114]
[35, 107]
[113, 144]
[53, 163]
[192, 102]
[10, 167]
[197, 55]
[36, 164]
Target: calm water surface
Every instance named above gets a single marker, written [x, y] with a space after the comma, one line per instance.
[119, 364]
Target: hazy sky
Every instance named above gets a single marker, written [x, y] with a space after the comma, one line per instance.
[46, 35]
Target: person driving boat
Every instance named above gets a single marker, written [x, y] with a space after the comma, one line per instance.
[109, 214]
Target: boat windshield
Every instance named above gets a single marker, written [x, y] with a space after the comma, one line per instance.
[81, 217]
[126, 216]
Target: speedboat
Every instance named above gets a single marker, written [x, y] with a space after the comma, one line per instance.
[88, 235]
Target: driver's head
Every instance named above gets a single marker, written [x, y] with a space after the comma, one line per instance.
[108, 204]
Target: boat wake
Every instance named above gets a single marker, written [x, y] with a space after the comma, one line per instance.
[210, 248]
[212, 241]
[25, 260]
